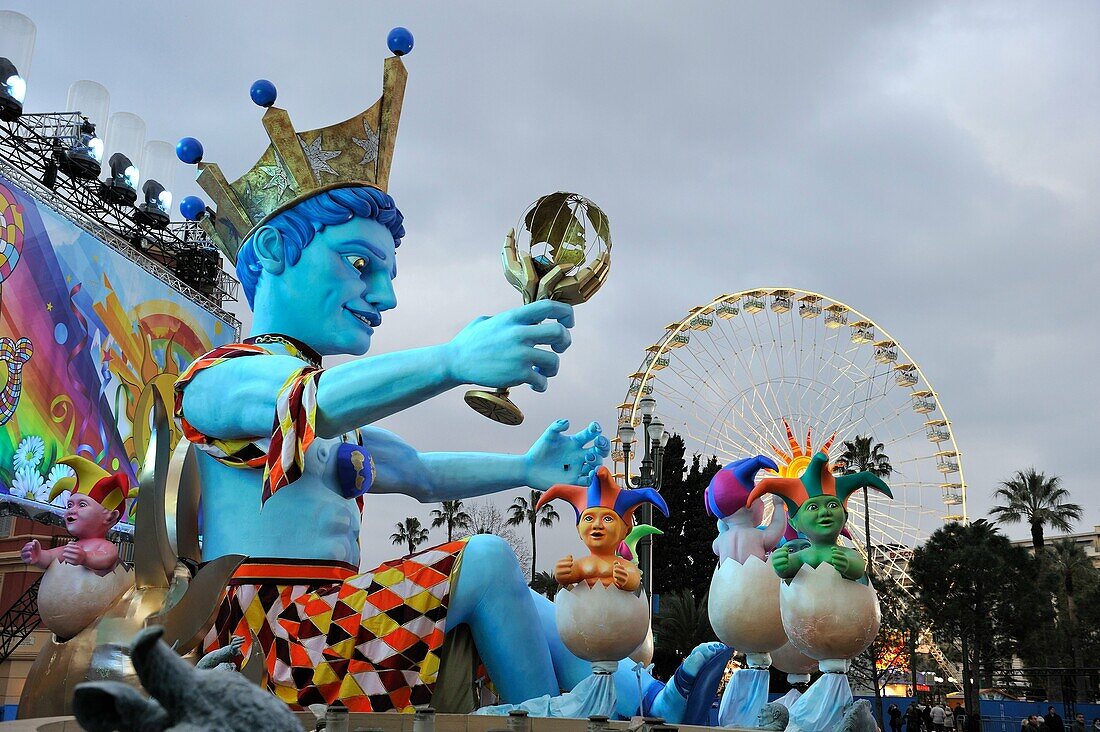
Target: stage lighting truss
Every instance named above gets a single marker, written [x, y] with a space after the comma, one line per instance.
[35, 154]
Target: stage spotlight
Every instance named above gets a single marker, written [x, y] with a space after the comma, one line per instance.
[124, 137]
[12, 91]
[121, 187]
[83, 159]
[17, 37]
[84, 156]
[154, 211]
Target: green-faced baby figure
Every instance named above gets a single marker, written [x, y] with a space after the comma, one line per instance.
[817, 506]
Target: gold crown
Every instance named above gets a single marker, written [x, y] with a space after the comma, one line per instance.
[298, 165]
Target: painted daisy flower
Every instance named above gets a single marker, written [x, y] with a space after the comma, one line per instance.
[29, 453]
[57, 472]
[29, 484]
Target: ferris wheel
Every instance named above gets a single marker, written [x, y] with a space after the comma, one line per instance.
[787, 373]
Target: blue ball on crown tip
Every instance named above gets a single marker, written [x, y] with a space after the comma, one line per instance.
[192, 208]
[189, 150]
[400, 41]
[263, 92]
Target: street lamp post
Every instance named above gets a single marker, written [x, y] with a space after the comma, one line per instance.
[653, 440]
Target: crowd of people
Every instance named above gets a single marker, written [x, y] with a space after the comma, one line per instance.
[1053, 722]
[918, 717]
[940, 717]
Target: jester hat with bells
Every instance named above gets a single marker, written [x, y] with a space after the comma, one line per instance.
[817, 481]
[107, 490]
[603, 492]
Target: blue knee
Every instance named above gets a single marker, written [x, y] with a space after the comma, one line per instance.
[489, 566]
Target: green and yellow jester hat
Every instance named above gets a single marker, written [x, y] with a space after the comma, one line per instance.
[817, 481]
[107, 490]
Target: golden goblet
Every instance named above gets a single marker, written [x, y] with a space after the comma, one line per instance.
[563, 253]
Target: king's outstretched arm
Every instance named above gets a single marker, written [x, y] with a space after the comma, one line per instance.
[442, 476]
[237, 398]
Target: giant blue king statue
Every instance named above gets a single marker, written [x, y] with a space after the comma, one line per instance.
[289, 457]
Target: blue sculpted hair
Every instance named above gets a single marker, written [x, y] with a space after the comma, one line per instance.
[299, 224]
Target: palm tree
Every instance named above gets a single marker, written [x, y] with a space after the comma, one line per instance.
[410, 532]
[1071, 564]
[545, 584]
[860, 455]
[1032, 497]
[453, 516]
[523, 509]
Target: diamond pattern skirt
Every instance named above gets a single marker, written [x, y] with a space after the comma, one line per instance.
[371, 639]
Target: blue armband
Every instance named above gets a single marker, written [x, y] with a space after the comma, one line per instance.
[354, 470]
[651, 692]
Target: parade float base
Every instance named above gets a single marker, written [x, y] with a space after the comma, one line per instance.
[381, 722]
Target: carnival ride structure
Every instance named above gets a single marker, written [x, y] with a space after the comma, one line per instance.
[786, 373]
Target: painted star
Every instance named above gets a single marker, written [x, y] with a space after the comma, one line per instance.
[369, 145]
[49, 306]
[318, 158]
[256, 204]
[277, 179]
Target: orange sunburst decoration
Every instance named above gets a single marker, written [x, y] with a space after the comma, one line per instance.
[793, 464]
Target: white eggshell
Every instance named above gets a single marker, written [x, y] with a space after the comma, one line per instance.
[72, 597]
[793, 661]
[601, 623]
[643, 654]
[744, 606]
[827, 616]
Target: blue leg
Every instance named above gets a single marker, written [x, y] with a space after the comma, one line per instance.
[492, 597]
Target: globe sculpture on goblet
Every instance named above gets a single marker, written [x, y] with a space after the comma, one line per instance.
[562, 252]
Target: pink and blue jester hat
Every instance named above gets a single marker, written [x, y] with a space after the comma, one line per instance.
[729, 489]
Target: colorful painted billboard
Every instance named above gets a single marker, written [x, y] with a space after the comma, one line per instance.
[86, 337]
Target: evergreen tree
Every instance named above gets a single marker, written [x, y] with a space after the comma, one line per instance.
[682, 557]
[978, 588]
[681, 624]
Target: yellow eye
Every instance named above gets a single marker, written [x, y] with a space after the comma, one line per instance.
[359, 263]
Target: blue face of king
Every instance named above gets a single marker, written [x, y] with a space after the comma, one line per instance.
[340, 287]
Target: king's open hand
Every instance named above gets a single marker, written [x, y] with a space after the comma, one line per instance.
[560, 458]
[508, 349]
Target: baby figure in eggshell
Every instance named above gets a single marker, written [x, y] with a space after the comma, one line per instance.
[85, 577]
[95, 505]
[605, 517]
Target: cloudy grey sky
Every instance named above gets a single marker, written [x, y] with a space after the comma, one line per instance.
[932, 164]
